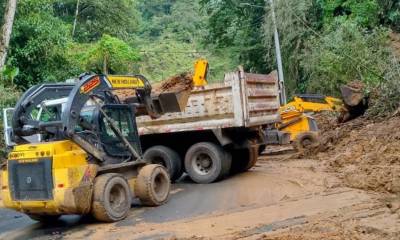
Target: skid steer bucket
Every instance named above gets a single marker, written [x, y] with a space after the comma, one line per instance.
[173, 101]
[168, 96]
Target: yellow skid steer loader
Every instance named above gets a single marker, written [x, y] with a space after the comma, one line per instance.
[90, 158]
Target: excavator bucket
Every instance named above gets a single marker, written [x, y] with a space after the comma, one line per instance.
[352, 93]
[355, 101]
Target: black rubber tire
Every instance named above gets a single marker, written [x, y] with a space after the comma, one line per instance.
[46, 219]
[261, 149]
[306, 140]
[166, 157]
[108, 188]
[244, 159]
[153, 185]
[218, 158]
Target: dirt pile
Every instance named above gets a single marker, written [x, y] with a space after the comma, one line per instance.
[326, 121]
[179, 83]
[365, 154]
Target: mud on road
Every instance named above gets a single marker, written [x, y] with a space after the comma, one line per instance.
[277, 199]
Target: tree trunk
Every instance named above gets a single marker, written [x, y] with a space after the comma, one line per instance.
[105, 61]
[76, 18]
[6, 30]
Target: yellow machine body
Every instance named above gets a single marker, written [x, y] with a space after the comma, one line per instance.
[71, 176]
[295, 121]
[123, 82]
[70, 183]
[200, 73]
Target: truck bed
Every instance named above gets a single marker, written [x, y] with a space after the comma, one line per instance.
[242, 100]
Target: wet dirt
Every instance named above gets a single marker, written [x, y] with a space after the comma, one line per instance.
[277, 199]
[179, 83]
[364, 154]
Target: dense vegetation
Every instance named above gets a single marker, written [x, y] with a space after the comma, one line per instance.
[324, 42]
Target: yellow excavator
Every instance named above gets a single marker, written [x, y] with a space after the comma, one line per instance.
[297, 121]
[302, 127]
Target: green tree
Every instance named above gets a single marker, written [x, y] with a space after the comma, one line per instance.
[344, 55]
[171, 39]
[38, 44]
[97, 17]
[237, 27]
[108, 55]
[390, 13]
[296, 22]
[365, 13]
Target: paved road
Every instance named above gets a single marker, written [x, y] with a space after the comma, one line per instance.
[264, 185]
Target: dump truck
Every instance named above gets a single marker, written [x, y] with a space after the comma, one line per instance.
[221, 131]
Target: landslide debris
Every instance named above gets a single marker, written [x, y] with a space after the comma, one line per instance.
[178, 83]
[365, 154]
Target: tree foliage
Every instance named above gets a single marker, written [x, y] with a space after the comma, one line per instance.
[109, 55]
[38, 44]
[324, 42]
[236, 26]
[97, 17]
[343, 55]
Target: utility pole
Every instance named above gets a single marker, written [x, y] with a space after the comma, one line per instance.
[278, 55]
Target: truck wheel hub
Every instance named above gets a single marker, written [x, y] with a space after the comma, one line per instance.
[202, 164]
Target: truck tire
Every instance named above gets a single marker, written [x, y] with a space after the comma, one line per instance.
[166, 157]
[207, 162]
[153, 185]
[45, 219]
[244, 159]
[111, 198]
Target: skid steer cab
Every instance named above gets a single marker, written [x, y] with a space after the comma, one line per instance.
[88, 158]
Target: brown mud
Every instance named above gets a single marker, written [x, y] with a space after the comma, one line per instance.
[347, 189]
[365, 154]
[179, 83]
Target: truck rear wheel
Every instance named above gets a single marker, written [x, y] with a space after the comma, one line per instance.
[111, 198]
[244, 159]
[166, 157]
[207, 162]
[153, 185]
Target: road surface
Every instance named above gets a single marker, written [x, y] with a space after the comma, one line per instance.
[273, 196]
